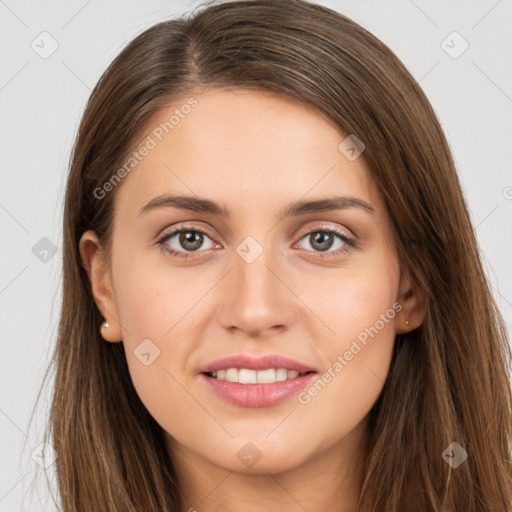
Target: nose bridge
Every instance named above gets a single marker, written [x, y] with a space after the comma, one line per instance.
[253, 261]
[255, 298]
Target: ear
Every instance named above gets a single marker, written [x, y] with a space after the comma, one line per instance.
[413, 298]
[101, 284]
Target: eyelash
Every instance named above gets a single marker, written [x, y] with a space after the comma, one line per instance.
[351, 242]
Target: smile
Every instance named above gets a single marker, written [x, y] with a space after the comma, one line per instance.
[256, 394]
[248, 376]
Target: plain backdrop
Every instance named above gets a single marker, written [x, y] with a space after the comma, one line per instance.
[43, 96]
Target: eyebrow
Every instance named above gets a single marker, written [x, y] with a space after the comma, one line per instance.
[300, 207]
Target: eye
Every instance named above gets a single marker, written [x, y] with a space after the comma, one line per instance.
[322, 240]
[184, 240]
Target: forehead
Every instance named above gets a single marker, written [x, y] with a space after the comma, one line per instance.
[245, 146]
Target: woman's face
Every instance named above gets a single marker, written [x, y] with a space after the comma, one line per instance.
[265, 276]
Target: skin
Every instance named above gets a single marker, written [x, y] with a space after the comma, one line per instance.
[254, 152]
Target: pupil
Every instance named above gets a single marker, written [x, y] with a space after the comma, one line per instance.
[322, 240]
[191, 240]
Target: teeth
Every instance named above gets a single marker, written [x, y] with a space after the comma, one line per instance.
[246, 376]
[281, 374]
[232, 375]
[266, 376]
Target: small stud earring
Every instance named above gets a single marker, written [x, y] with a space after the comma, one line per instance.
[105, 325]
[407, 323]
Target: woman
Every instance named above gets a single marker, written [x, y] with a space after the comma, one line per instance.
[272, 294]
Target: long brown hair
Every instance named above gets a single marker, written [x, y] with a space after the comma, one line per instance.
[449, 378]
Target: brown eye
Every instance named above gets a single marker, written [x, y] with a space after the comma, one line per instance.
[323, 240]
[190, 240]
[185, 240]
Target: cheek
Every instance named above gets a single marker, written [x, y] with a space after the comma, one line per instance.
[158, 310]
[360, 310]
[352, 300]
[350, 383]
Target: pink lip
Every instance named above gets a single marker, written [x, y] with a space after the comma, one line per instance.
[256, 363]
[257, 395]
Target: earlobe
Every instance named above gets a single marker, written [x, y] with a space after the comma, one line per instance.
[413, 298]
[101, 285]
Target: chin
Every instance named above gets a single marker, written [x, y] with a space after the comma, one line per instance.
[257, 458]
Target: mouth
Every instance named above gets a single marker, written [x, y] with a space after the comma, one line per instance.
[249, 376]
[250, 380]
[245, 387]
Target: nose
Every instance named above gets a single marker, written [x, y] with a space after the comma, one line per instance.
[256, 299]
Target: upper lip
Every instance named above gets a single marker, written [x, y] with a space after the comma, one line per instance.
[256, 363]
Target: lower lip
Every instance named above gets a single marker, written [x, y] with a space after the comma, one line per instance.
[258, 395]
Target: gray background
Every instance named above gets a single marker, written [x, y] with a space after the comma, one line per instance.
[41, 100]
